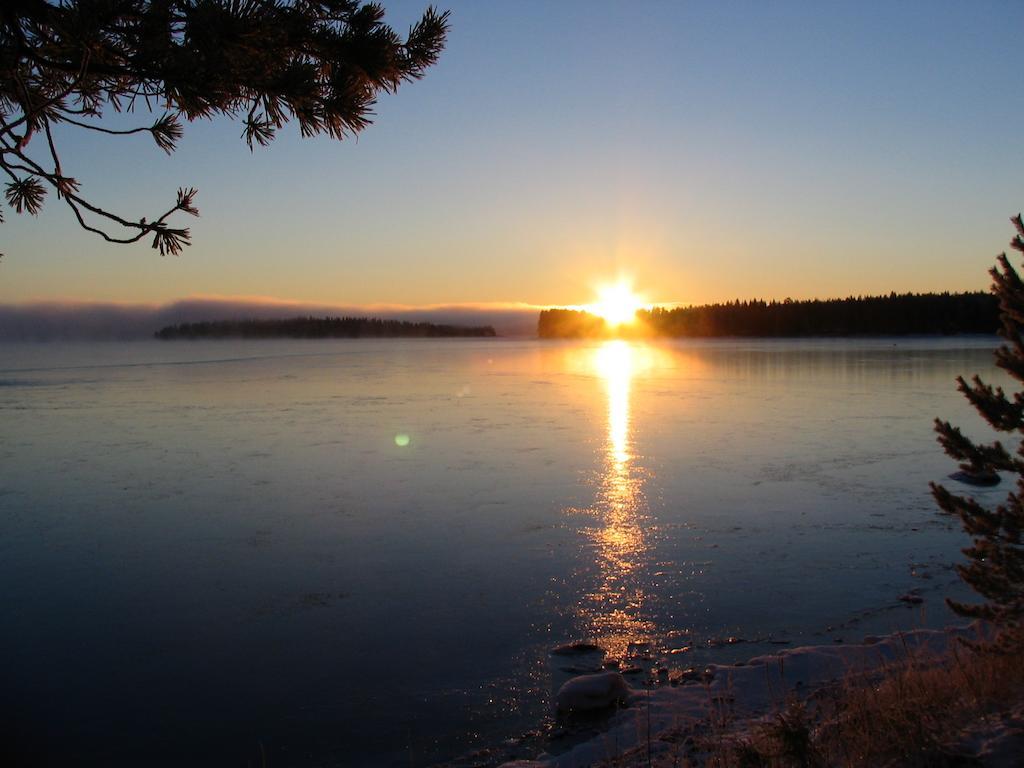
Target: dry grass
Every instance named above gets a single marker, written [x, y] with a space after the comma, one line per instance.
[909, 713]
[919, 711]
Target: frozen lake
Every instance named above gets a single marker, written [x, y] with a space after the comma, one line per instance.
[360, 553]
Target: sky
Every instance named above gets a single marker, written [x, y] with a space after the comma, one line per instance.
[709, 151]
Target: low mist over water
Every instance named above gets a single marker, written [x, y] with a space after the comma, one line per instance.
[78, 321]
[363, 552]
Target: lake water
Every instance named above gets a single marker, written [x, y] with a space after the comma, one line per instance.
[360, 553]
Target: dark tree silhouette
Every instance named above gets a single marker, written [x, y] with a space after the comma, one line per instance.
[570, 324]
[319, 62]
[892, 315]
[995, 567]
[319, 328]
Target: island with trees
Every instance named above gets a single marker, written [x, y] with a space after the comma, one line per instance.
[893, 315]
[320, 328]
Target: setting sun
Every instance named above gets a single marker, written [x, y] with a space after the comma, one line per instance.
[616, 303]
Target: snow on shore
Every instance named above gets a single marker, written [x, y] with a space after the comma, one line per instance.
[664, 716]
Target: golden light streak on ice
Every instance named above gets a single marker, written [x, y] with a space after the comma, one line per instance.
[613, 610]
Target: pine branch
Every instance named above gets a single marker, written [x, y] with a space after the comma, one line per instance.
[321, 64]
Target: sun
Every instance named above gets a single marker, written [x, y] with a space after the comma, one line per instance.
[616, 303]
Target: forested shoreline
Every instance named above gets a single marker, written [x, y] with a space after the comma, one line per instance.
[893, 315]
[319, 328]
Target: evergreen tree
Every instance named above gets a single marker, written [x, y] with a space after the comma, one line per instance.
[67, 62]
[995, 567]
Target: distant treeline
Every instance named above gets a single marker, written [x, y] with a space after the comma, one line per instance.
[892, 315]
[318, 328]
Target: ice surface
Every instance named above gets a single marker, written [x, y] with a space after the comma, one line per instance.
[219, 548]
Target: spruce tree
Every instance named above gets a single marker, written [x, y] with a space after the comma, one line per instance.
[995, 567]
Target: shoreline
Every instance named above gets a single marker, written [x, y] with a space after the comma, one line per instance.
[660, 665]
[662, 725]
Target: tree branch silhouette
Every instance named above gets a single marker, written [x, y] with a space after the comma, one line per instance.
[995, 566]
[321, 63]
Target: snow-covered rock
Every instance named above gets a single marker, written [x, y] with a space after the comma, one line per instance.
[591, 693]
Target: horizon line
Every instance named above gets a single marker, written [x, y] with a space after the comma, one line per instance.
[481, 306]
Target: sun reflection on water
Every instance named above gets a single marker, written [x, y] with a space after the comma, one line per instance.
[613, 611]
[614, 363]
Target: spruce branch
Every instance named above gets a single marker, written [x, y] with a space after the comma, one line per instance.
[995, 559]
[992, 403]
[1018, 240]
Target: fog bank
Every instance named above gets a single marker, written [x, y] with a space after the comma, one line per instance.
[69, 321]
